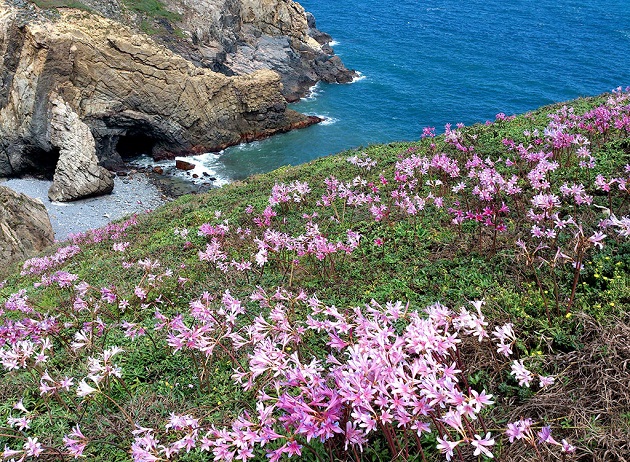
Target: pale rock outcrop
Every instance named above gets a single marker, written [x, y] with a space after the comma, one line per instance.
[80, 70]
[77, 173]
[25, 227]
[236, 37]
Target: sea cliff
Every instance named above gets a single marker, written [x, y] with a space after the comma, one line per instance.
[82, 88]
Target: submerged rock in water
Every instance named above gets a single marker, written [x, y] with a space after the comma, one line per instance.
[183, 165]
[25, 227]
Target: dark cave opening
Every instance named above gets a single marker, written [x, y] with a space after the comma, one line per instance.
[42, 162]
[134, 145]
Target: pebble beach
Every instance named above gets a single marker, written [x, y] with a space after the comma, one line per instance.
[134, 193]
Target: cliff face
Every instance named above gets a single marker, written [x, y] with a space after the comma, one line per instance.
[128, 91]
[236, 37]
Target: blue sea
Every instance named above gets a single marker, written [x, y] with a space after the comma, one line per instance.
[429, 62]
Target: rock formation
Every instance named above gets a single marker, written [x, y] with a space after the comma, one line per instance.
[77, 173]
[236, 37]
[25, 228]
[79, 89]
[81, 84]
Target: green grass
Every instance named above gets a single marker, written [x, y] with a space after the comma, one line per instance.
[421, 261]
[153, 9]
[156, 19]
[48, 4]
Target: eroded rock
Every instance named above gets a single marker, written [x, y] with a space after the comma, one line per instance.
[77, 173]
[124, 89]
[240, 36]
[25, 227]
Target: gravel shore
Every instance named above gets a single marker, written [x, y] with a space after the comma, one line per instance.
[132, 194]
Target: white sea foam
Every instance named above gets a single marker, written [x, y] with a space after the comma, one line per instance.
[360, 76]
[206, 166]
[313, 93]
[333, 43]
[326, 120]
[244, 146]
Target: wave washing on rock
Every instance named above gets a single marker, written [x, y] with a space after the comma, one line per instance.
[206, 171]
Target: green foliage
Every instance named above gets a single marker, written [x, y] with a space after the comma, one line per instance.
[148, 28]
[152, 9]
[49, 4]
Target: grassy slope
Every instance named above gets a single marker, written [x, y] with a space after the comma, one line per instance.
[422, 260]
[152, 15]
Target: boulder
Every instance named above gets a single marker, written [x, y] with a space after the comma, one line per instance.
[77, 173]
[25, 227]
[181, 164]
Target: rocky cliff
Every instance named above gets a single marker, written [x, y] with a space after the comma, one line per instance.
[236, 37]
[25, 227]
[76, 81]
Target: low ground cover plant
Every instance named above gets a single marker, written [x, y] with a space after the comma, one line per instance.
[419, 301]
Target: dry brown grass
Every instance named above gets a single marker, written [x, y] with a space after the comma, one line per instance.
[590, 401]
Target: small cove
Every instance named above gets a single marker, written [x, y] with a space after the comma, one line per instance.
[422, 64]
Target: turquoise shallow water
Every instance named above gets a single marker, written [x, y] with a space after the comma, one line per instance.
[426, 63]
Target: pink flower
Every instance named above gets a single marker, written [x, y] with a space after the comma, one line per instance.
[480, 400]
[8, 452]
[75, 442]
[22, 423]
[597, 238]
[544, 436]
[85, 389]
[521, 374]
[546, 381]
[519, 430]
[32, 447]
[446, 447]
[568, 448]
[481, 445]
[140, 293]
[120, 246]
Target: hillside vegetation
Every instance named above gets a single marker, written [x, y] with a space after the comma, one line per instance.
[457, 298]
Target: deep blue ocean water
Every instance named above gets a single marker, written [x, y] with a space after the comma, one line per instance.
[429, 62]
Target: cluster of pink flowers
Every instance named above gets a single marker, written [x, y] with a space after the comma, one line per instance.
[284, 193]
[523, 429]
[388, 370]
[111, 231]
[361, 160]
[270, 244]
[39, 265]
